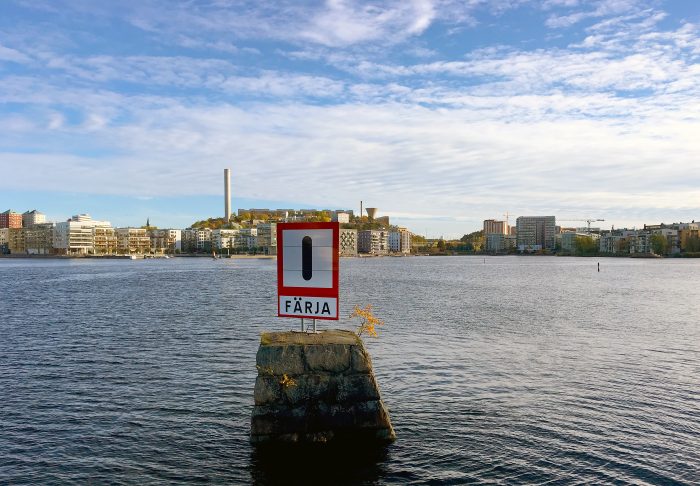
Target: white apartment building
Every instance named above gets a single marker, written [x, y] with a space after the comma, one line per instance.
[340, 217]
[224, 239]
[247, 238]
[76, 236]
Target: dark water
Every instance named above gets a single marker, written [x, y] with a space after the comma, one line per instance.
[517, 370]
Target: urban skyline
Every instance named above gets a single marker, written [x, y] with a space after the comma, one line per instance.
[440, 113]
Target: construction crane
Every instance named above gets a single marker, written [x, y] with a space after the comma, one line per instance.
[588, 221]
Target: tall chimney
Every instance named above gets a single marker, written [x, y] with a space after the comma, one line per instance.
[227, 194]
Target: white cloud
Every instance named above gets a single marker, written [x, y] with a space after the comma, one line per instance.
[12, 55]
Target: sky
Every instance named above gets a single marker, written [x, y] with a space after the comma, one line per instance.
[441, 113]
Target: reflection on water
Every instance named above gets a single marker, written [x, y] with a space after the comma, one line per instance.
[503, 369]
[318, 464]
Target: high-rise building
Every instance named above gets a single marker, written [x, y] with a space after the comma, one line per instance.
[30, 218]
[495, 227]
[227, 194]
[535, 232]
[10, 219]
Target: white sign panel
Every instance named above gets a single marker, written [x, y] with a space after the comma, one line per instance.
[314, 307]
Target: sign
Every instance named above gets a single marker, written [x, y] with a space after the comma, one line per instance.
[307, 270]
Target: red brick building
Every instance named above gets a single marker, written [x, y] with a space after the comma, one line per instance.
[10, 219]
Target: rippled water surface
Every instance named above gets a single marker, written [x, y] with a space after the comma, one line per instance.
[508, 369]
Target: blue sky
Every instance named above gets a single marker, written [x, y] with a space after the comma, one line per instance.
[441, 113]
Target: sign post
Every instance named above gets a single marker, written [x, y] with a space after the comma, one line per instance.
[307, 270]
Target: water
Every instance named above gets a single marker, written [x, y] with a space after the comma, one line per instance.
[508, 369]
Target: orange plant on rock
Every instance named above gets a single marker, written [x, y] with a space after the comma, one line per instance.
[368, 321]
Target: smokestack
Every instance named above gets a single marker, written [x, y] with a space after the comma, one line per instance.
[227, 194]
[360, 210]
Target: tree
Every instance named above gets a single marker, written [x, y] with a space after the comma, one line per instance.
[441, 244]
[623, 246]
[659, 244]
[586, 246]
[692, 244]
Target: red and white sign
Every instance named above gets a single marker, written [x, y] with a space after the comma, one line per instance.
[307, 270]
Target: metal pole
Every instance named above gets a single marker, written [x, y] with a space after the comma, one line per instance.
[302, 324]
[314, 325]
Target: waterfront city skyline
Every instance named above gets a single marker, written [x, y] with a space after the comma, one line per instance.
[441, 114]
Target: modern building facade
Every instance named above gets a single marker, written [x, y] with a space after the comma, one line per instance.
[535, 232]
[166, 240]
[400, 241]
[224, 239]
[373, 242]
[133, 241]
[267, 238]
[348, 242]
[77, 235]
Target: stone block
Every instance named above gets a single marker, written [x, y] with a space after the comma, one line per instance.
[335, 397]
[354, 388]
[267, 390]
[361, 362]
[333, 358]
[282, 359]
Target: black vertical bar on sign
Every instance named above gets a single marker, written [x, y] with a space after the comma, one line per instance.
[306, 268]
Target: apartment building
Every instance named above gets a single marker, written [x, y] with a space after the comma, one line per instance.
[247, 239]
[76, 236]
[105, 240]
[498, 242]
[224, 239]
[267, 238]
[373, 242]
[4, 241]
[30, 218]
[133, 241]
[535, 232]
[399, 241]
[10, 219]
[38, 238]
[348, 242]
[166, 240]
[493, 227]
